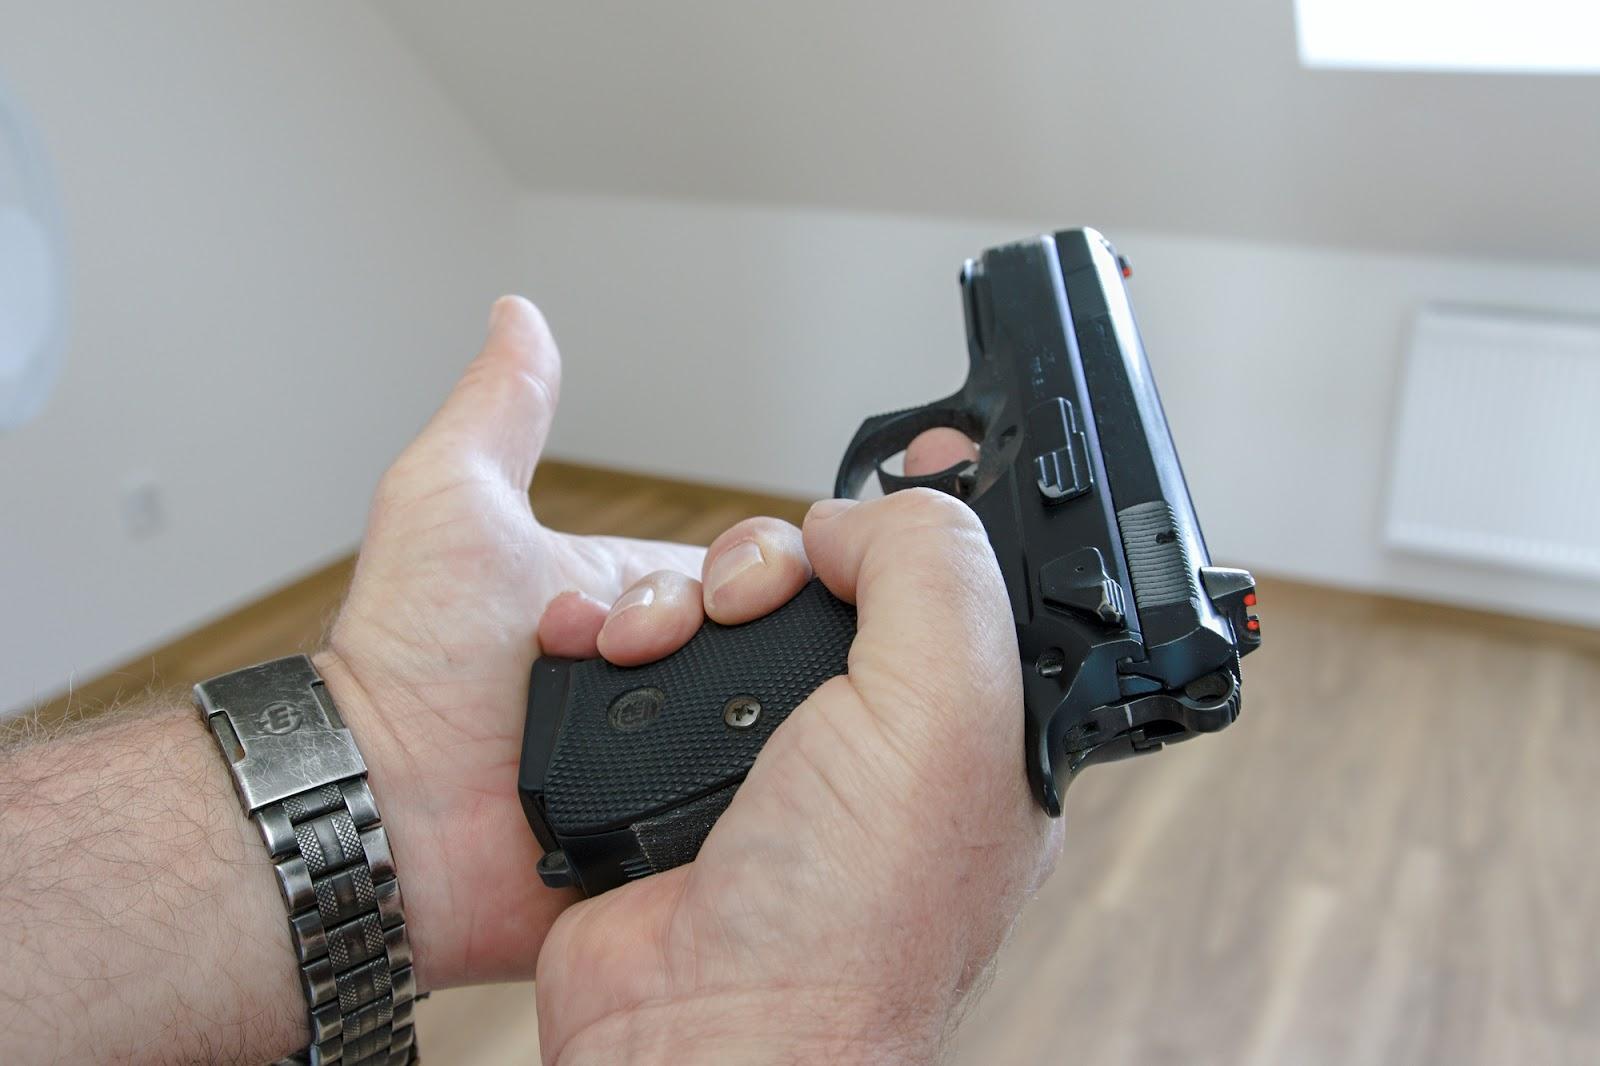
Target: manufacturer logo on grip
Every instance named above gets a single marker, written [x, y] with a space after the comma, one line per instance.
[635, 709]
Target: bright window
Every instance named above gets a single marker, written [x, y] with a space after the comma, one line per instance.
[1507, 36]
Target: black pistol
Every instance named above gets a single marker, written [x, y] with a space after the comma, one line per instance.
[1127, 637]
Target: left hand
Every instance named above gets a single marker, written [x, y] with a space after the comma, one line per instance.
[429, 658]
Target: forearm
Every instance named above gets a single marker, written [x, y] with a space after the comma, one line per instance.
[139, 914]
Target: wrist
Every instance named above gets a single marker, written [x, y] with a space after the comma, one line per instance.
[464, 856]
[402, 810]
[777, 1025]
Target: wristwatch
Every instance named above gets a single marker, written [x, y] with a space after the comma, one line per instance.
[304, 784]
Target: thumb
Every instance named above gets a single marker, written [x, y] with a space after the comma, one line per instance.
[500, 411]
[935, 652]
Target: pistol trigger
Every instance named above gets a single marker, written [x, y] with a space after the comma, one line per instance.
[958, 480]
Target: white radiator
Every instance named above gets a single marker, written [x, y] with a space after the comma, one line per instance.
[1497, 448]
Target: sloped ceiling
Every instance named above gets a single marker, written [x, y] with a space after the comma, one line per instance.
[1177, 115]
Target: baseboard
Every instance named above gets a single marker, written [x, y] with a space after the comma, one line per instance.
[579, 498]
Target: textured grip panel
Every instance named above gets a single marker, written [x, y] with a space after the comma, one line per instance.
[1157, 561]
[673, 837]
[606, 775]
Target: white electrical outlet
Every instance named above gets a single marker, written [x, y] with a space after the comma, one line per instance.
[144, 508]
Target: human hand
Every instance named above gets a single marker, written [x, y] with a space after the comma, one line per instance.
[429, 659]
[882, 844]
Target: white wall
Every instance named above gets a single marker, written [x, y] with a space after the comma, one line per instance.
[284, 240]
[284, 244]
[746, 344]
[1180, 116]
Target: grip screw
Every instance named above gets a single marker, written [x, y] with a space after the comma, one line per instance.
[741, 712]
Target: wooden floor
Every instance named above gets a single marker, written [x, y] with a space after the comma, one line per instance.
[1393, 857]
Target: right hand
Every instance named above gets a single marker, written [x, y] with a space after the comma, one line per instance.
[880, 848]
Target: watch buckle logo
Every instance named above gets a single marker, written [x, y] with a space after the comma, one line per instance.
[280, 718]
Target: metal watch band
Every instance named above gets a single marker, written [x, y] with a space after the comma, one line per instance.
[304, 784]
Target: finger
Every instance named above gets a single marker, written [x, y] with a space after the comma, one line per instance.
[605, 566]
[935, 648]
[938, 449]
[753, 569]
[570, 626]
[500, 410]
[654, 618]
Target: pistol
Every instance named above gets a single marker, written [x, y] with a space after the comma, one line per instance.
[1128, 638]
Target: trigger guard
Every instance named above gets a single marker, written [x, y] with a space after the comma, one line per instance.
[957, 480]
[884, 435]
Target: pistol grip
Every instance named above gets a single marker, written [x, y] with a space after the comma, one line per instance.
[625, 769]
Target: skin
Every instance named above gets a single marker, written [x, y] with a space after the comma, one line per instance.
[841, 909]
[874, 859]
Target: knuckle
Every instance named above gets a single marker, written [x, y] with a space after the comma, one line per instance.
[936, 531]
[925, 506]
[761, 527]
[672, 590]
[534, 389]
[513, 386]
[781, 542]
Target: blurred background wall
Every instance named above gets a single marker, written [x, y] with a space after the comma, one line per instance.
[746, 344]
[745, 223]
[789, 189]
[283, 240]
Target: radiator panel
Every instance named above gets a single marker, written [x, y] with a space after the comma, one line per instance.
[1497, 448]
